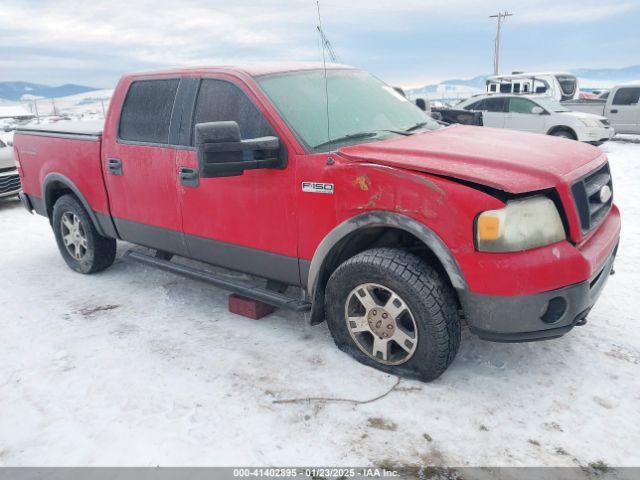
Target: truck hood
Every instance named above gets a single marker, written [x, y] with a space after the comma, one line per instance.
[507, 160]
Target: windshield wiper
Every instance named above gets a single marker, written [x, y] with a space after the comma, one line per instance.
[416, 127]
[348, 136]
[360, 135]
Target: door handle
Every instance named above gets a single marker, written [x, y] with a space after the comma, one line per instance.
[189, 177]
[615, 110]
[115, 166]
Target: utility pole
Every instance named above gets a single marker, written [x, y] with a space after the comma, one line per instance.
[496, 58]
[35, 106]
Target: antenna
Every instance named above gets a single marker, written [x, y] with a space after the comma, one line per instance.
[324, 64]
[327, 44]
[496, 59]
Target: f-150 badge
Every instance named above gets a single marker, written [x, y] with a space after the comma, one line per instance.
[317, 187]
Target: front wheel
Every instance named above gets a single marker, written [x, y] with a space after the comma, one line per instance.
[390, 310]
[562, 133]
[80, 244]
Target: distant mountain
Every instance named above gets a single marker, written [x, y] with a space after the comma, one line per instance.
[475, 82]
[625, 74]
[16, 90]
[449, 89]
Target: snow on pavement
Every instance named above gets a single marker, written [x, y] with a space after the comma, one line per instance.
[139, 367]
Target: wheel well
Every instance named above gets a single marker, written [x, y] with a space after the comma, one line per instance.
[563, 128]
[54, 191]
[365, 239]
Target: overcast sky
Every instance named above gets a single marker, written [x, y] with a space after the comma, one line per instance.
[405, 42]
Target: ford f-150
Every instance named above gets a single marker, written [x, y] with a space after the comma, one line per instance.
[397, 230]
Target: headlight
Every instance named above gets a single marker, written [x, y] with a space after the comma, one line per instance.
[590, 122]
[520, 225]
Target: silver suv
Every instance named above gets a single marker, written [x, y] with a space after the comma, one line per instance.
[539, 114]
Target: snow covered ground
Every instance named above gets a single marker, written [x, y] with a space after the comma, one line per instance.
[138, 367]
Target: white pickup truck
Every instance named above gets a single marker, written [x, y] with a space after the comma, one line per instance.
[621, 107]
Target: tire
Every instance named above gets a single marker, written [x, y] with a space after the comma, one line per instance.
[88, 251]
[563, 133]
[428, 323]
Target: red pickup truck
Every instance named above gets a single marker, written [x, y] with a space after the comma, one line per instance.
[396, 229]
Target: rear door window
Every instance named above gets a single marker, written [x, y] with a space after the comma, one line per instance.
[479, 105]
[146, 112]
[627, 96]
[495, 104]
[220, 101]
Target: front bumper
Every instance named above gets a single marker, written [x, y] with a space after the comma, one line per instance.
[9, 183]
[595, 134]
[534, 317]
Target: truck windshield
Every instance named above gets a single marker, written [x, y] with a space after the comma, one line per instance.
[361, 107]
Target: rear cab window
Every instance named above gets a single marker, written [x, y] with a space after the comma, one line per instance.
[627, 96]
[146, 111]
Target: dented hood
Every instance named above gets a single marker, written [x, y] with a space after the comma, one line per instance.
[507, 160]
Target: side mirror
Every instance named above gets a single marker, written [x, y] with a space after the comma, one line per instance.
[222, 152]
[421, 104]
[537, 110]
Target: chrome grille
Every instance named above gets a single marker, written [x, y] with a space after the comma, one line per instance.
[9, 183]
[586, 195]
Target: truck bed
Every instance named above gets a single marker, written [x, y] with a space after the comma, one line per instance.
[67, 153]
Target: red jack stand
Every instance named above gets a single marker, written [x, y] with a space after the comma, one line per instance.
[247, 307]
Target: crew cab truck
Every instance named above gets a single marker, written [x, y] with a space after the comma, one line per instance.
[396, 229]
[621, 106]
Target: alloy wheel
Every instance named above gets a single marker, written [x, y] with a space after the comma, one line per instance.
[73, 235]
[381, 324]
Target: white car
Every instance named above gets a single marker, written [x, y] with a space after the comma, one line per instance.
[536, 114]
[9, 179]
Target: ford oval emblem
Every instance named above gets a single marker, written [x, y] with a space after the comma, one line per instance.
[605, 194]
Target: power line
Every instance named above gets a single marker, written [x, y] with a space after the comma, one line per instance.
[496, 56]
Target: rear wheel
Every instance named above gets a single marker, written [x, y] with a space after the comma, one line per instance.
[80, 244]
[391, 310]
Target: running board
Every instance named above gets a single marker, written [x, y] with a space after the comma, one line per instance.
[256, 293]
